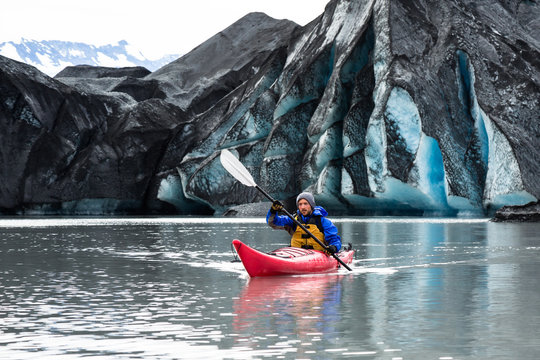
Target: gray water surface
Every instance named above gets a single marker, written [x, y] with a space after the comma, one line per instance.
[166, 288]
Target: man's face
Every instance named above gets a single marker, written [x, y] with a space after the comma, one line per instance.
[304, 207]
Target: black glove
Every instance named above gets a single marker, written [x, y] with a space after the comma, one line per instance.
[276, 206]
[332, 249]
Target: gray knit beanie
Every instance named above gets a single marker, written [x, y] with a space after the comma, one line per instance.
[307, 196]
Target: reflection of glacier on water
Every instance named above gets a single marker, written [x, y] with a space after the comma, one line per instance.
[125, 288]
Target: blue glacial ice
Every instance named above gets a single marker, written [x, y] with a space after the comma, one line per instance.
[170, 190]
[503, 183]
[429, 168]
[289, 103]
[401, 110]
[426, 187]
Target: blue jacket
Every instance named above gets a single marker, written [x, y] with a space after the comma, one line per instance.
[286, 223]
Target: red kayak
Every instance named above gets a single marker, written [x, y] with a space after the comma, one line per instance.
[288, 260]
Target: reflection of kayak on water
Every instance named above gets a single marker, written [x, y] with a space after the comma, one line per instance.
[266, 290]
[291, 303]
[288, 260]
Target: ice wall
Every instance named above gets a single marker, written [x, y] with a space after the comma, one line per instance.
[347, 119]
[351, 122]
[423, 186]
[503, 184]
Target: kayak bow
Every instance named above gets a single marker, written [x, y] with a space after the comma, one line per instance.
[288, 260]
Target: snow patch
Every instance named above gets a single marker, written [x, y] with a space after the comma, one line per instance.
[10, 51]
[75, 53]
[47, 64]
[133, 51]
[109, 61]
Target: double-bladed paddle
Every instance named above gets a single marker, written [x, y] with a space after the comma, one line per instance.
[240, 173]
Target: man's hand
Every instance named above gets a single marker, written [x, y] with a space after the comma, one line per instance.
[332, 249]
[276, 206]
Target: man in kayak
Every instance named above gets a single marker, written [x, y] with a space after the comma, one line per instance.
[313, 218]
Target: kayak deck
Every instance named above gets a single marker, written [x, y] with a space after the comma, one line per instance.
[288, 260]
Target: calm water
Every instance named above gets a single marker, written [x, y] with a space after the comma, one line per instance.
[166, 289]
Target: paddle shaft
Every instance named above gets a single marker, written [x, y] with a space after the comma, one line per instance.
[298, 223]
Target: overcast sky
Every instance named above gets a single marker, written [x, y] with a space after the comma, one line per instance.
[155, 27]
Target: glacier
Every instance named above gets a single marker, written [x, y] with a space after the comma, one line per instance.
[378, 107]
[503, 183]
[423, 186]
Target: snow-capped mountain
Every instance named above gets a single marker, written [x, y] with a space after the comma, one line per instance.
[53, 56]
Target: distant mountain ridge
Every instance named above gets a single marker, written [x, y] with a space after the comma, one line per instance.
[52, 56]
